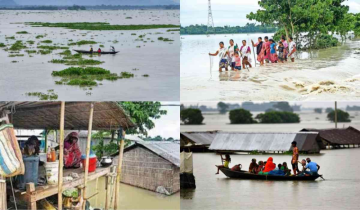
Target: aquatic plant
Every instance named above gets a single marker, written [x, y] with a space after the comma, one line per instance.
[82, 42]
[2, 45]
[128, 18]
[30, 42]
[18, 45]
[16, 55]
[99, 26]
[14, 61]
[82, 82]
[39, 36]
[78, 71]
[126, 75]
[22, 32]
[46, 41]
[66, 52]
[50, 95]
[44, 52]
[10, 37]
[79, 62]
[52, 47]
[169, 30]
[30, 51]
[145, 75]
[165, 39]
[101, 45]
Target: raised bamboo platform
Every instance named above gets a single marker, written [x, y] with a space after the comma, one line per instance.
[33, 194]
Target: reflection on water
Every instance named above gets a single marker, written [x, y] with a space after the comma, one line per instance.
[133, 197]
[340, 190]
[32, 73]
[316, 75]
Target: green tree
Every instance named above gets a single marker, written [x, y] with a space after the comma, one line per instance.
[191, 116]
[142, 114]
[240, 116]
[222, 107]
[278, 117]
[283, 106]
[342, 116]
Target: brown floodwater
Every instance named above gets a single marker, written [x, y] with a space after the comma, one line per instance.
[340, 190]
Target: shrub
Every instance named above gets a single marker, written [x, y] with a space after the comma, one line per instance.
[191, 116]
[342, 116]
[240, 116]
[278, 117]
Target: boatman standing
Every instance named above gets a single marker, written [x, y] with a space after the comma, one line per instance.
[295, 158]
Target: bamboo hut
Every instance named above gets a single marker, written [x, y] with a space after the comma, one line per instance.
[70, 116]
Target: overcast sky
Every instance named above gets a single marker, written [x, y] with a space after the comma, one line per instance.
[228, 12]
[304, 104]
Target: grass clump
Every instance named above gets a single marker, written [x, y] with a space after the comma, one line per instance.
[82, 42]
[82, 82]
[101, 45]
[30, 51]
[50, 95]
[44, 52]
[18, 45]
[10, 37]
[79, 71]
[39, 36]
[145, 75]
[16, 55]
[22, 32]
[66, 53]
[126, 75]
[79, 62]
[30, 42]
[165, 39]
[52, 47]
[2, 45]
[46, 41]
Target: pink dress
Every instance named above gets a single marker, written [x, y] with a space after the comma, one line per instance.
[267, 49]
[260, 56]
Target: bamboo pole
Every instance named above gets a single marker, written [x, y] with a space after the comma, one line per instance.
[61, 155]
[87, 153]
[46, 141]
[3, 201]
[335, 114]
[117, 184]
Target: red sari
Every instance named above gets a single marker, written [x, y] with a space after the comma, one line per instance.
[72, 153]
[269, 165]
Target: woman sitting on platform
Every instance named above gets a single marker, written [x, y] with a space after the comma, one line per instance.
[72, 153]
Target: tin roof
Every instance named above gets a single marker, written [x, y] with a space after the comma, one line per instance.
[168, 150]
[340, 136]
[242, 141]
[200, 138]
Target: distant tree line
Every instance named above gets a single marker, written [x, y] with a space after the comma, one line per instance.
[248, 28]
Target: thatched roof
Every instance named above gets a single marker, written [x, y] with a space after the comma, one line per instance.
[46, 115]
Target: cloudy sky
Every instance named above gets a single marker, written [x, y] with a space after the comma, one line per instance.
[168, 125]
[228, 12]
[304, 104]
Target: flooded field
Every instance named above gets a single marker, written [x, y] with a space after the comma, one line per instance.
[316, 75]
[134, 198]
[144, 53]
[340, 190]
[309, 119]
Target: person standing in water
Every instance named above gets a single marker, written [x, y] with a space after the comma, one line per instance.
[295, 158]
[237, 61]
[286, 47]
[260, 50]
[245, 52]
[281, 50]
[231, 54]
[292, 49]
[91, 49]
[222, 52]
[267, 49]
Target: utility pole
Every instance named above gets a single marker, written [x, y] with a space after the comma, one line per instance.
[335, 114]
[210, 25]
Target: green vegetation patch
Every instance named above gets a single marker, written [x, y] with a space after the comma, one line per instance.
[165, 39]
[79, 62]
[99, 26]
[30, 42]
[2, 45]
[46, 41]
[16, 55]
[173, 30]
[30, 51]
[44, 52]
[82, 42]
[39, 36]
[50, 95]
[22, 32]
[10, 37]
[52, 47]
[18, 45]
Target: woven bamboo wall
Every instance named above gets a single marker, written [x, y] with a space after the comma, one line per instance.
[144, 169]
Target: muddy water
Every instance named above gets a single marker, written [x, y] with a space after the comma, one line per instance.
[133, 197]
[316, 75]
[340, 168]
[309, 119]
[158, 59]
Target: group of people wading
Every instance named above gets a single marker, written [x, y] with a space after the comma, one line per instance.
[268, 167]
[268, 51]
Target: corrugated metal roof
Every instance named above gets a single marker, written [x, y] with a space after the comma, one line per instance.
[235, 141]
[167, 150]
[200, 138]
[340, 136]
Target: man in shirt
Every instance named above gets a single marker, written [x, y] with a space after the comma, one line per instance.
[312, 166]
[292, 49]
[231, 52]
[222, 52]
[295, 158]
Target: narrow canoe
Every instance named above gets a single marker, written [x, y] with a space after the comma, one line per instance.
[246, 175]
[95, 52]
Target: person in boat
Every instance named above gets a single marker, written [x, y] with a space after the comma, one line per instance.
[91, 50]
[260, 50]
[277, 171]
[273, 55]
[112, 49]
[260, 167]
[99, 50]
[237, 61]
[72, 153]
[253, 166]
[285, 168]
[269, 166]
[312, 166]
[292, 49]
[226, 161]
[267, 49]
[295, 158]
[286, 46]
[236, 167]
[245, 52]
[231, 54]
[281, 50]
[222, 52]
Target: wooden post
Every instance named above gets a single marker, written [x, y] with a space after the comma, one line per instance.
[88, 143]
[46, 141]
[117, 183]
[97, 191]
[30, 191]
[61, 154]
[3, 202]
[335, 114]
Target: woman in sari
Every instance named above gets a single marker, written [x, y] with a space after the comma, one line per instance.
[260, 50]
[269, 165]
[72, 153]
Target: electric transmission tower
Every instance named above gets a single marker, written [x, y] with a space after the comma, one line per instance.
[210, 25]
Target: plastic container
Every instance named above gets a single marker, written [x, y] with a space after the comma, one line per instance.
[92, 162]
[31, 171]
[52, 171]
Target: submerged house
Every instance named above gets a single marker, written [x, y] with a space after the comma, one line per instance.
[153, 166]
[264, 142]
[337, 138]
[196, 141]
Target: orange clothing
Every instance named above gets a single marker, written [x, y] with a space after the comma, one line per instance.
[269, 165]
[295, 155]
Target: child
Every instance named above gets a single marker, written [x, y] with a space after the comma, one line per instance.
[226, 160]
[237, 61]
[281, 50]
[222, 52]
[273, 55]
[286, 170]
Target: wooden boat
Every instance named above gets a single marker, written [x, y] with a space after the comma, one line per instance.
[246, 175]
[95, 52]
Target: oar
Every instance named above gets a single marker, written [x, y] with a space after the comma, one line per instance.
[321, 176]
